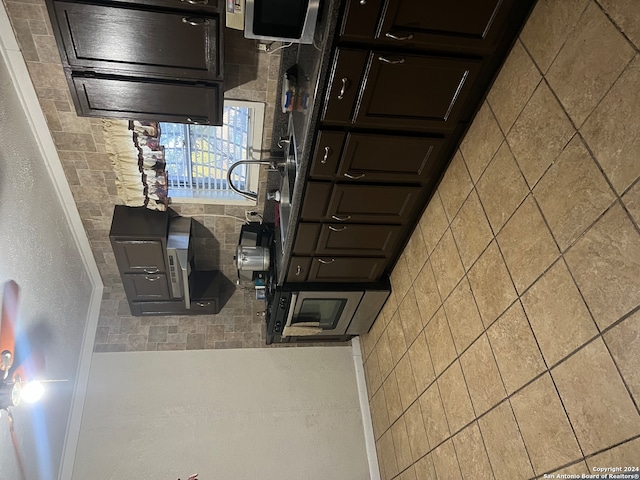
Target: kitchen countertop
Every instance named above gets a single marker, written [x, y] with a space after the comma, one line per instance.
[314, 62]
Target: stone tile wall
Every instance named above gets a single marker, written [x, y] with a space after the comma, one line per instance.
[249, 75]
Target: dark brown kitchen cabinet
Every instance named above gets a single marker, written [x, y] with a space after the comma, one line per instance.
[346, 269]
[152, 60]
[393, 95]
[139, 256]
[346, 239]
[146, 286]
[390, 204]
[138, 99]
[298, 269]
[463, 25]
[363, 157]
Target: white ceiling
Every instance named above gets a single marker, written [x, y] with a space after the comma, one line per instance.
[44, 249]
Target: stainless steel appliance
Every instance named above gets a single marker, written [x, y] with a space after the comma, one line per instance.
[281, 20]
[180, 258]
[301, 312]
[253, 255]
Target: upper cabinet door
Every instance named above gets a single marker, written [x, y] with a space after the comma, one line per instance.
[131, 39]
[464, 25]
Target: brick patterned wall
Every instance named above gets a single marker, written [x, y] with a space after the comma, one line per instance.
[249, 75]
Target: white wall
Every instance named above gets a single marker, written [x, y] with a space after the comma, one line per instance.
[267, 414]
[51, 261]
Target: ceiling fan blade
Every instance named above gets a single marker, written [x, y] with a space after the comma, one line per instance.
[16, 448]
[10, 295]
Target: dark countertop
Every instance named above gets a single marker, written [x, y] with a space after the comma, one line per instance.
[314, 62]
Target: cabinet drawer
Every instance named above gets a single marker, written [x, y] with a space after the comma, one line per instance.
[346, 269]
[327, 155]
[298, 269]
[355, 239]
[344, 84]
[146, 286]
[373, 203]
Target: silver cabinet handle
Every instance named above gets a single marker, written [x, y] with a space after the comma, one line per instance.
[152, 279]
[341, 219]
[196, 2]
[195, 21]
[198, 121]
[203, 304]
[343, 89]
[399, 36]
[354, 177]
[151, 270]
[334, 229]
[326, 262]
[327, 152]
[298, 271]
[393, 61]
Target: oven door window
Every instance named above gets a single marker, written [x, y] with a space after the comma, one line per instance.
[325, 311]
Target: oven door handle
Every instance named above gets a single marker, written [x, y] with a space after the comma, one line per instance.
[292, 306]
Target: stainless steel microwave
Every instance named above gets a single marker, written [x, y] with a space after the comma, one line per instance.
[281, 20]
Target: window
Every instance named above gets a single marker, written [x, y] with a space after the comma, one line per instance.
[199, 156]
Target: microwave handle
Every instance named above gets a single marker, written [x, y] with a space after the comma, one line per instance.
[292, 304]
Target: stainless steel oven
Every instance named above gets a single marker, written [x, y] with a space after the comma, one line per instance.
[310, 311]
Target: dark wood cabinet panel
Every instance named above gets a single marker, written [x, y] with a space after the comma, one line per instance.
[139, 256]
[376, 157]
[314, 203]
[147, 99]
[394, 93]
[344, 85]
[346, 269]
[146, 286]
[392, 96]
[298, 269]
[116, 37]
[306, 238]
[387, 204]
[326, 156]
[356, 239]
[206, 6]
[464, 25]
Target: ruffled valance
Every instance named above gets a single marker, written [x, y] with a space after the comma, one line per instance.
[138, 161]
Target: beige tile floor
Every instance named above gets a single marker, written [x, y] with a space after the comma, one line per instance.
[510, 347]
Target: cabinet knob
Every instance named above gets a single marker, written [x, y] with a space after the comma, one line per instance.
[195, 21]
[393, 61]
[334, 229]
[399, 36]
[341, 219]
[354, 177]
[345, 84]
[152, 279]
[326, 262]
[327, 152]
[195, 2]
[363, 2]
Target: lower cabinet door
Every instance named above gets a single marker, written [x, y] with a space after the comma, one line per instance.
[354, 239]
[298, 269]
[346, 269]
[151, 286]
